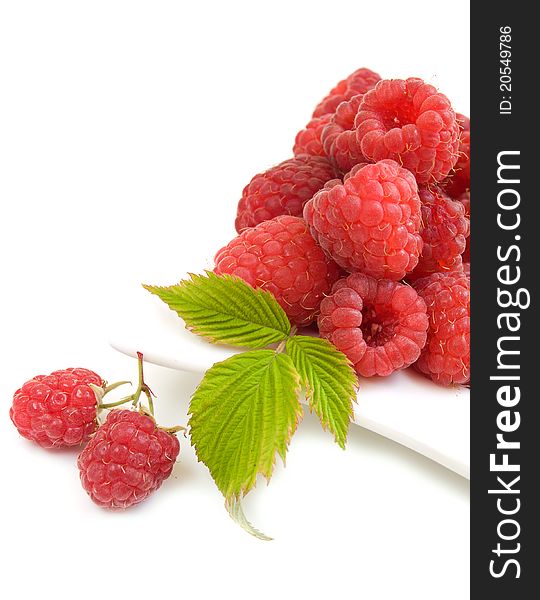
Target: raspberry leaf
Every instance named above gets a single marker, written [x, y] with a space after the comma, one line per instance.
[329, 380]
[225, 309]
[244, 411]
[236, 512]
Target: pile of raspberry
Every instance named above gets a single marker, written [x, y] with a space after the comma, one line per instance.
[364, 232]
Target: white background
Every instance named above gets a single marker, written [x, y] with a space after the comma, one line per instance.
[127, 131]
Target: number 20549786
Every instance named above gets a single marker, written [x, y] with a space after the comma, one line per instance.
[505, 69]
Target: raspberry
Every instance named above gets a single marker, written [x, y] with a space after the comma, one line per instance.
[354, 170]
[371, 222]
[282, 190]
[128, 458]
[409, 121]
[358, 82]
[308, 140]
[380, 325]
[465, 199]
[444, 232]
[339, 136]
[57, 410]
[280, 256]
[463, 121]
[446, 356]
[466, 256]
[459, 180]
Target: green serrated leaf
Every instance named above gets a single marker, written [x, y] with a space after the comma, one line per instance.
[225, 309]
[329, 380]
[244, 411]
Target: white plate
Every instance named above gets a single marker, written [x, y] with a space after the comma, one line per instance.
[404, 407]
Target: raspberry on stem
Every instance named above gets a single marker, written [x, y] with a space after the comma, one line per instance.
[60, 409]
[128, 459]
[129, 456]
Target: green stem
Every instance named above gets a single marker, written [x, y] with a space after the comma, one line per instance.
[281, 346]
[113, 386]
[142, 388]
[148, 394]
[174, 429]
[113, 404]
[134, 398]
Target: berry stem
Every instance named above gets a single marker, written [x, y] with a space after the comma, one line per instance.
[113, 404]
[113, 386]
[281, 346]
[102, 391]
[142, 387]
[174, 429]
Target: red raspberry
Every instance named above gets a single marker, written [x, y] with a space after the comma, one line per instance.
[466, 256]
[354, 170]
[409, 121]
[463, 121]
[446, 356]
[371, 223]
[459, 179]
[358, 82]
[308, 140]
[128, 458]
[460, 269]
[57, 410]
[339, 137]
[280, 256]
[380, 325]
[282, 190]
[444, 233]
[465, 199]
